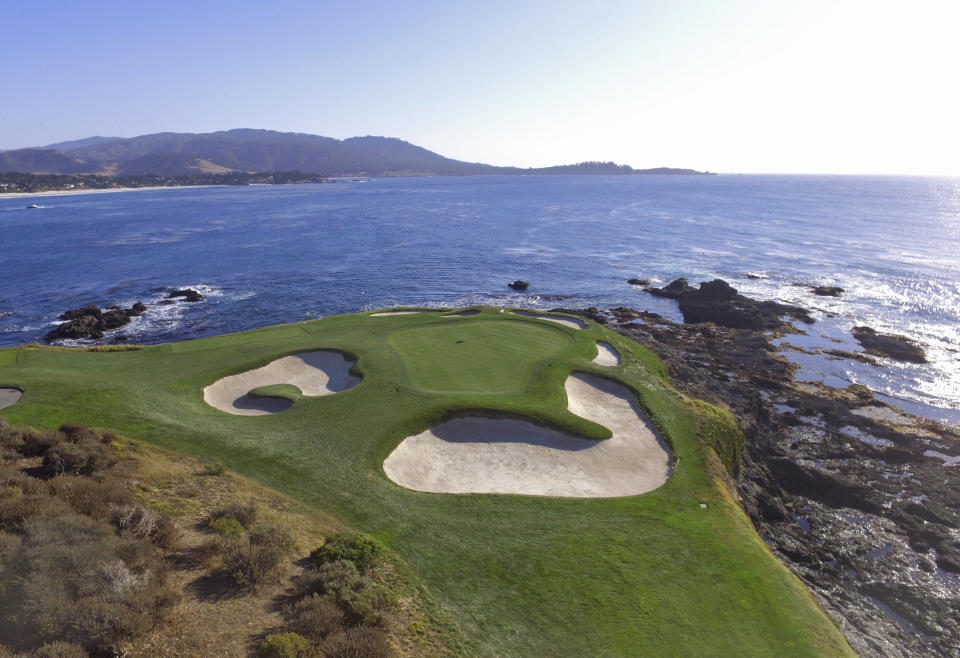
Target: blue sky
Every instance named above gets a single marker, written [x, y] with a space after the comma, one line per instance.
[835, 87]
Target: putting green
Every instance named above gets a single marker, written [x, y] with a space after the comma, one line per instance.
[652, 574]
[489, 355]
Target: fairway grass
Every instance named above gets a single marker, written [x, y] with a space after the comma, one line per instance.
[654, 574]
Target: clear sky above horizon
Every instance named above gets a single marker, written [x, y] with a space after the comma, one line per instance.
[847, 86]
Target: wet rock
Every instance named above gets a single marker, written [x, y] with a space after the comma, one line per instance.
[828, 291]
[591, 312]
[624, 314]
[75, 313]
[673, 290]
[87, 326]
[894, 346]
[638, 282]
[188, 294]
[718, 302]
[828, 488]
[90, 323]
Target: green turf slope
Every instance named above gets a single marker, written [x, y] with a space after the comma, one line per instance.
[654, 574]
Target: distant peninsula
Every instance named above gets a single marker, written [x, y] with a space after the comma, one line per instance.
[227, 157]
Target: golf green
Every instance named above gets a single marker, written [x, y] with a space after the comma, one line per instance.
[675, 571]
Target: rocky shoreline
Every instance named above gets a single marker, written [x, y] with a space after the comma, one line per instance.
[91, 322]
[859, 499]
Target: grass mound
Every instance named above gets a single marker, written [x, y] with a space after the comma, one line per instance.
[287, 392]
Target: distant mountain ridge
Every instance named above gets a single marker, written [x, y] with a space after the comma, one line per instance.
[252, 150]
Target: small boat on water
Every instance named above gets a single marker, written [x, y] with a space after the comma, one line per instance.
[33, 205]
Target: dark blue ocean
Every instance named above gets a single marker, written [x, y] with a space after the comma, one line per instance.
[264, 255]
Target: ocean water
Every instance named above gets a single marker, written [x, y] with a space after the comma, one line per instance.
[264, 255]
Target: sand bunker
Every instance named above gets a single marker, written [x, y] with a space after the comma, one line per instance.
[9, 395]
[315, 373]
[384, 314]
[473, 454]
[463, 314]
[606, 355]
[566, 322]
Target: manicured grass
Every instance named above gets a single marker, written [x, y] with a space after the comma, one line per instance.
[493, 355]
[647, 575]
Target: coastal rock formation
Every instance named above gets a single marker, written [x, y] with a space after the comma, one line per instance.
[859, 499]
[718, 302]
[828, 291]
[893, 346]
[188, 294]
[519, 285]
[638, 282]
[89, 322]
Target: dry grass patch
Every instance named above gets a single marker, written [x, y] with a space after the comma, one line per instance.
[218, 617]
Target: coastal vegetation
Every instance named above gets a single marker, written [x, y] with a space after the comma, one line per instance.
[676, 571]
[109, 547]
[12, 181]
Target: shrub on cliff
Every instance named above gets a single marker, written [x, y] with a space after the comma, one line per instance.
[362, 550]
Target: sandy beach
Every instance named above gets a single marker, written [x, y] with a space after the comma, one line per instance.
[23, 195]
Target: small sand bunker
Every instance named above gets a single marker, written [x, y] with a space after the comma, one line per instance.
[566, 322]
[463, 314]
[315, 373]
[9, 395]
[384, 314]
[606, 355]
[473, 454]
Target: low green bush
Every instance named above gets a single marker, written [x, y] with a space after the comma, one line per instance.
[272, 534]
[359, 642]
[357, 596]
[251, 565]
[283, 645]
[313, 617]
[362, 550]
[227, 527]
[243, 513]
[213, 468]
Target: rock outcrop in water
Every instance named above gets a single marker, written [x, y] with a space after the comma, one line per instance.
[519, 285]
[188, 294]
[718, 302]
[855, 497]
[828, 291]
[894, 346]
[89, 322]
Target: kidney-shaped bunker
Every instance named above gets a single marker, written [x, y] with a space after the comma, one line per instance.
[471, 454]
[316, 373]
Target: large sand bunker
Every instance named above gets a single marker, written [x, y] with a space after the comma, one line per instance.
[606, 355]
[473, 454]
[315, 373]
[573, 323]
[9, 395]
